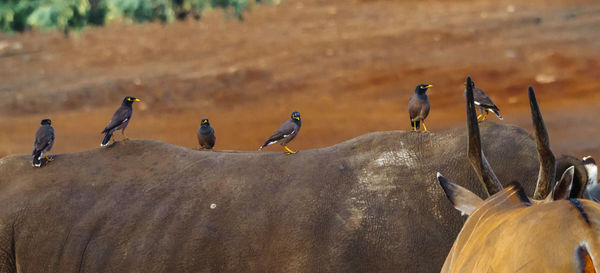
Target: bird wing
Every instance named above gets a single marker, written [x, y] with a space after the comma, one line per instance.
[415, 107]
[121, 115]
[482, 99]
[286, 129]
[44, 137]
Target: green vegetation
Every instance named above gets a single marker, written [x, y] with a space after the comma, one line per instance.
[20, 15]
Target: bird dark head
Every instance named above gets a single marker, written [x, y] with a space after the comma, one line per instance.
[130, 100]
[46, 122]
[296, 115]
[205, 122]
[422, 88]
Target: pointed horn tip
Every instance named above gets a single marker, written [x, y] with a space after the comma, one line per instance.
[442, 180]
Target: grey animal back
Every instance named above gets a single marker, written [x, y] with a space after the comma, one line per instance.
[369, 204]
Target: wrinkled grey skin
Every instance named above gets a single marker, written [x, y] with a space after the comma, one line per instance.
[370, 204]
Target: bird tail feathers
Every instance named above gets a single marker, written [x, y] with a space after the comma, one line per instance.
[106, 139]
[267, 143]
[37, 159]
[497, 113]
[415, 124]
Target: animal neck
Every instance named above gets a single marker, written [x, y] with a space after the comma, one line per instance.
[204, 129]
[297, 121]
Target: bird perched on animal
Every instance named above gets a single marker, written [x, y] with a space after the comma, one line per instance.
[286, 133]
[119, 120]
[418, 107]
[206, 135]
[44, 139]
[484, 104]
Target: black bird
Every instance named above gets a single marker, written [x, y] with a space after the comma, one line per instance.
[119, 120]
[206, 135]
[418, 107]
[484, 104]
[44, 138]
[286, 132]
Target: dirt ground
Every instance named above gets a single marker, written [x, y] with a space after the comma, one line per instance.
[348, 66]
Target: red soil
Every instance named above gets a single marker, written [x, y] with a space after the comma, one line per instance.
[348, 66]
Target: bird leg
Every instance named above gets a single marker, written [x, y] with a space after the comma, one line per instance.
[288, 151]
[485, 114]
[124, 135]
[479, 115]
[424, 127]
[48, 158]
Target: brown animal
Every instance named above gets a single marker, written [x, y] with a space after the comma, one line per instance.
[508, 232]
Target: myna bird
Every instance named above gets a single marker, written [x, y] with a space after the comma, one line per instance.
[484, 104]
[418, 107]
[206, 135]
[44, 138]
[119, 120]
[286, 132]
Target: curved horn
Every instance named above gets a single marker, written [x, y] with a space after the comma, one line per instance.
[476, 157]
[545, 155]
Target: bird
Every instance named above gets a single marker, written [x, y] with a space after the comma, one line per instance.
[206, 135]
[119, 120]
[286, 133]
[484, 104]
[418, 107]
[44, 139]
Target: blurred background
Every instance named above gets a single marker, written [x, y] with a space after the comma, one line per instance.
[348, 66]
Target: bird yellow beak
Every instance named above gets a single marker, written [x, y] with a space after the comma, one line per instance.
[296, 118]
[429, 86]
[137, 100]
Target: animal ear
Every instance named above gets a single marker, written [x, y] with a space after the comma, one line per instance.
[562, 189]
[583, 260]
[592, 170]
[463, 200]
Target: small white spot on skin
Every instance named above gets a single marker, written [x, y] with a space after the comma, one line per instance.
[213, 206]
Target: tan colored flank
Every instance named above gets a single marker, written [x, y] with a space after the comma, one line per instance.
[507, 235]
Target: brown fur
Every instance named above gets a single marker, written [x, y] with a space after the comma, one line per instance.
[370, 204]
[507, 235]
